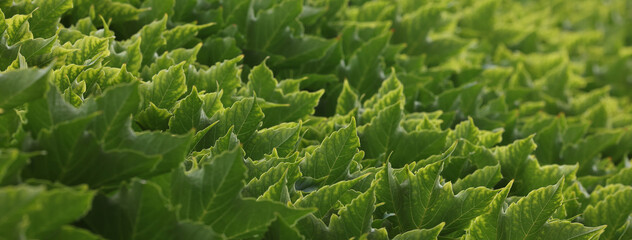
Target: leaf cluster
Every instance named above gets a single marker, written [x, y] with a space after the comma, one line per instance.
[315, 119]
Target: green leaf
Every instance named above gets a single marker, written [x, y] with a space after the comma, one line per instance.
[280, 229]
[419, 201]
[313, 227]
[133, 213]
[212, 103]
[7, 53]
[233, 228]
[513, 158]
[472, 202]
[115, 105]
[526, 218]
[155, 10]
[584, 151]
[41, 116]
[259, 167]
[467, 130]
[218, 49]
[195, 230]
[534, 176]
[297, 106]
[567, 230]
[10, 128]
[347, 100]
[128, 56]
[463, 100]
[11, 163]
[182, 10]
[18, 29]
[390, 93]
[282, 172]
[245, 115]
[180, 35]
[376, 137]
[71, 72]
[152, 39]
[355, 218]
[357, 119]
[431, 233]
[613, 210]
[89, 50]
[487, 176]
[154, 118]
[19, 63]
[73, 233]
[555, 82]
[442, 49]
[330, 161]
[21, 86]
[278, 191]
[624, 176]
[283, 137]
[261, 81]
[115, 76]
[226, 143]
[292, 105]
[181, 54]
[224, 77]
[47, 16]
[269, 28]
[37, 52]
[383, 136]
[426, 143]
[3, 23]
[364, 70]
[485, 226]
[166, 87]
[624, 232]
[204, 195]
[326, 197]
[304, 50]
[33, 211]
[117, 11]
[91, 144]
[219, 189]
[479, 20]
[550, 141]
[187, 114]
[414, 27]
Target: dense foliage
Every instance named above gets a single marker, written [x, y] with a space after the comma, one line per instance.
[315, 119]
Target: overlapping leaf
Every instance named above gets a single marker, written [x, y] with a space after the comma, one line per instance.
[303, 119]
